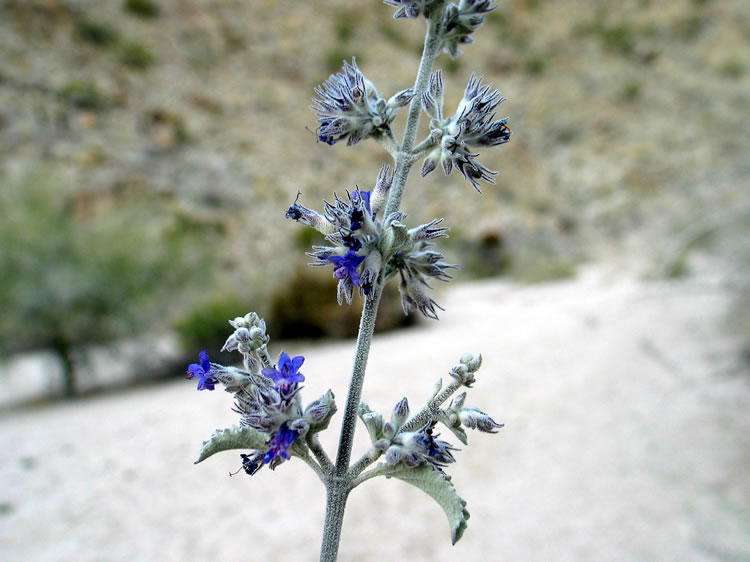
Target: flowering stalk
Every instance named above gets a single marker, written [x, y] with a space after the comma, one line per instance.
[339, 486]
[368, 244]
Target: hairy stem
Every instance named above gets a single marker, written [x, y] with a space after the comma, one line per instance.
[405, 160]
[317, 450]
[339, 484]
[431, 408]
[364, 461]
[424, 146]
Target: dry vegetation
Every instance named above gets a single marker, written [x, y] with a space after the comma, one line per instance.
[629, 118]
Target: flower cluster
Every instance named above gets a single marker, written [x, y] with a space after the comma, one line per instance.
[471, 125]
[400, 444]
[362, 242]
[461, 21]
[411, 448]
[268, 398]
[275, 409]
[349, 107]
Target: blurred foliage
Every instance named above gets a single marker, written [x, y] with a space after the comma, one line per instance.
[619, 38]
[345, 24]
[529, 258]
[306, 307]
[630, 91]
[206, 325]
[535, 64]
[486, 255]
[142, 8]
[303, 306]
[136, 55]
[77, 268]
[98, 33]
[733, 68]
[83, 94]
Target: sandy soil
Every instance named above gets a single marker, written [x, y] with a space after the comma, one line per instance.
[627, 438]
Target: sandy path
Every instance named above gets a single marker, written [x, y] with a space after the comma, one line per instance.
[627, 438]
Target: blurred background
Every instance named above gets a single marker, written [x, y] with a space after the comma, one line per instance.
[149, 150]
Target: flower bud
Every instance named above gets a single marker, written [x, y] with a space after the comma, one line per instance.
[474, 418]
[389, 431]
[458, 402]
[319, 412]
[430, 162]
[473, 362]
[401, 99]
[382, 444]
[394, 454]
[379, 195]
[432, 99]
[400, 413]
[373, 421]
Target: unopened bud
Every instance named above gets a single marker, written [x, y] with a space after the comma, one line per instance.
[400, 413]
[394, 454]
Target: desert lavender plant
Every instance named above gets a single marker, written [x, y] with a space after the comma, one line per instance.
[368, 245]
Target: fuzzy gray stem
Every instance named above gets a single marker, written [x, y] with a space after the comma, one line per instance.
[365, 460]
[339, 484]
[317, 449]
[305, 456]
[338, 491]
[430, 410]
[424, 146]
[388, 141]
[405, 159]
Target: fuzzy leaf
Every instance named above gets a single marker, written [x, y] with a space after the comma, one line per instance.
[436, 484]
[233, 438]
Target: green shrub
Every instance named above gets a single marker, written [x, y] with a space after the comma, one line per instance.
[630, 91]
[206, 325]
[84, 94]
[96, 32]
[142, 8]
[732, 69]
[345, 24]
[76, 268]
[535, 64]
[136, 55]
[306, 307]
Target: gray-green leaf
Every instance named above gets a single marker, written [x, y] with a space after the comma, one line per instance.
[436, 484]
[233, 438]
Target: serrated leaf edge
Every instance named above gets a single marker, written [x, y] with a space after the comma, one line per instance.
[414, 475]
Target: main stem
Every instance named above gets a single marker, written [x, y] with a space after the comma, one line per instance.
[338, 485]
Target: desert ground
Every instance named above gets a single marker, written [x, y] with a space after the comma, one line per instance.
[626, 438]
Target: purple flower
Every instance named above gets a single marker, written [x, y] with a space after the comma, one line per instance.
[278, 445]
[252, 463]
[346, 266]
[357, 215]
[287, 373]
[202, 370]
[438, 452]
